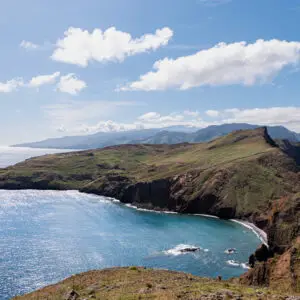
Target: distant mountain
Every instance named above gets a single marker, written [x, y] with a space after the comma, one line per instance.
[166, 137]
[97, 140]
[169, 135]
[212, 132]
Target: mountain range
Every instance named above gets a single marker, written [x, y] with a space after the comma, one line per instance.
[168, 135]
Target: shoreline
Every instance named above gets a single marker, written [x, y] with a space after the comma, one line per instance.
[257, 231]
[262, 235]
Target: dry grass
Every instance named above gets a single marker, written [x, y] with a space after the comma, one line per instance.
[141, 283]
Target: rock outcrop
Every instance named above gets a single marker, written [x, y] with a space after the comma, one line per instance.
[280, 271]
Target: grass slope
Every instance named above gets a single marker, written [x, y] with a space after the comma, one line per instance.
[141, 283]
[137, 162]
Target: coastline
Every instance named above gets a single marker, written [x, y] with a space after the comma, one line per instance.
[257, 231]
[262, 235]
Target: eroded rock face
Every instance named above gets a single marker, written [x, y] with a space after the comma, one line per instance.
[281, 270]
[262, 254]
[109, 186]
[155, 194]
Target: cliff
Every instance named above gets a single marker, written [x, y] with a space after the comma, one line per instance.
[243, 175]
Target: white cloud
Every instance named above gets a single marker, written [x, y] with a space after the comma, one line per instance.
[43, 79]
[67, 84]
[212, 113]
[285, 116]
[288, 117]
[28, 45]
[149, 116]
[83, 117]
[191, 113]
[79, 46]
[155, 118]
[11, 85]
[224, 64]
[108, 126]
[86, 117]
[75, 117]
[71, 84]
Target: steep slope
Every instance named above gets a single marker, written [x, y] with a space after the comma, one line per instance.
[141, 283]
[244, 175]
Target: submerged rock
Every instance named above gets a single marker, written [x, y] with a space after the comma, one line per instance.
[230, 251]
[190, 249]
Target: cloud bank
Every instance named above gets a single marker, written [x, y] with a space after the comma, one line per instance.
[67, 84]
[78, 119]
[11, 85]
[80, 47]
[224, 64]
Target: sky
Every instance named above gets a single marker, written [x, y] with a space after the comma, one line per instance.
[80, 67]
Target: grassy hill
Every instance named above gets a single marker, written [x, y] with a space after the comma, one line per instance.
[141, 283]
[138, 162]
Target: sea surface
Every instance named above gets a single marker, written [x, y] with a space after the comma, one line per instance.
[13, 155]
[46, 236]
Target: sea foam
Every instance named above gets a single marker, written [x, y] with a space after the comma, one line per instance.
[178, 250]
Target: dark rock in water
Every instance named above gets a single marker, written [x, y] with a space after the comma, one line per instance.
[191, 249]
[230, 251]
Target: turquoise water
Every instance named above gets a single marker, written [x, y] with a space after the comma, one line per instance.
[46, 236]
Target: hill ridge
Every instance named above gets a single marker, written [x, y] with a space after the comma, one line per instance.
[156, 136]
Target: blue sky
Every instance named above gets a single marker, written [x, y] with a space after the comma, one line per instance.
[77, 67]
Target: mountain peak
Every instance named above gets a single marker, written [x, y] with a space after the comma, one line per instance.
[258, 135]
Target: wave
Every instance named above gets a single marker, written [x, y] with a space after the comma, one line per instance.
[23, 198]
[245, 266]
[257, 231]
[233, 263]
[237, 264]
[150, 210]
[205, 215]
[179, 249]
